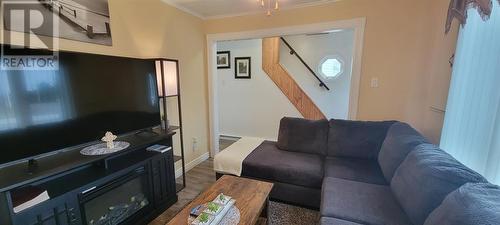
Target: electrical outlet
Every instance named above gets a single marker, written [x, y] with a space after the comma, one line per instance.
[374, 82]
[195, 144]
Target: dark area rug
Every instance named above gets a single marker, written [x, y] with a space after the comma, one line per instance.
[284, 214]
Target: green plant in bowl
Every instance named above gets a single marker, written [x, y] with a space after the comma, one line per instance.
[213, 207]
[204, 217]
[222, 198]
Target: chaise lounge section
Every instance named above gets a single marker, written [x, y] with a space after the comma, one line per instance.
[380, 173]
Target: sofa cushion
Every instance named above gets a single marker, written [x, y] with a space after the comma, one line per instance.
[400, 140]
[360, 202]
[307, 197]
[301, 135]
[355, 169]
[482, 206]
[356, 138]
[268, 162]
[424, 179]
[335, 221]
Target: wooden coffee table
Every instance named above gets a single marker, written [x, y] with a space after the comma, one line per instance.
[252, 198]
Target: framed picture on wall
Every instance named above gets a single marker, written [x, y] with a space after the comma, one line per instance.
[243, 68]
[224, 60]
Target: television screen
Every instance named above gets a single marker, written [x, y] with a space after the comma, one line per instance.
[46, 110]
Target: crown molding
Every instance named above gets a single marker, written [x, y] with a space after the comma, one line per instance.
[304, 5]
[263, 12]
[184, 9]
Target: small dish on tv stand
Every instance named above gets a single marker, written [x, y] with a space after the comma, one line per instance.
[102, 149]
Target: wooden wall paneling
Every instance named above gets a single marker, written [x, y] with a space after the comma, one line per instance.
[285, 82]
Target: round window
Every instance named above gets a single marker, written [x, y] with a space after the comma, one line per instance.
[331, 67]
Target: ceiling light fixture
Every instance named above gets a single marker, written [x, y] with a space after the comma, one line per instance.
[269, 5]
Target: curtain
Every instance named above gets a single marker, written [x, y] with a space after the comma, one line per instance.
[459, 10]
[471, 130]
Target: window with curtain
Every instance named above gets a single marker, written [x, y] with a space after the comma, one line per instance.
[471, 131]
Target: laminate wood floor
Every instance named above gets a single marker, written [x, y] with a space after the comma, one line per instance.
[224, 143]
[198, 179]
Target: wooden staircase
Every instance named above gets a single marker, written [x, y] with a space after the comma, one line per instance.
[271, 65]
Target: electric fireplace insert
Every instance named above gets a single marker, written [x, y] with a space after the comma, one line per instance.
[118, 201]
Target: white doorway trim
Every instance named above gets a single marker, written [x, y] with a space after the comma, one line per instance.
[357, 24]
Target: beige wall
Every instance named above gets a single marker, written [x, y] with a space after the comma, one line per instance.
[405, 47]
[441, 48]
[150, 28]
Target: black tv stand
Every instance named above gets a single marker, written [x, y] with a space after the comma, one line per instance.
[146, 133]
[32, 166]
[73, 181]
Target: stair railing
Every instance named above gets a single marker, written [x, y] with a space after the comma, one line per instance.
[293, 52]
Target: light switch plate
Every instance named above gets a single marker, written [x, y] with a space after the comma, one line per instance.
[374, 82]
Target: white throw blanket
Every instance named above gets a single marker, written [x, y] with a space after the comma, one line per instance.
[230, 160]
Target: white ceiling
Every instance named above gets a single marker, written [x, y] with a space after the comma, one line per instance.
[225, 8]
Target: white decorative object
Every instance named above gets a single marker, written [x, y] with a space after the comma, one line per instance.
[232, 217]
[222, 199]
[102, 149]
[229, 216]
[219, 217]
[109, 138]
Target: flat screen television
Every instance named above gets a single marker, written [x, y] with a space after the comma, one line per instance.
[42, 111]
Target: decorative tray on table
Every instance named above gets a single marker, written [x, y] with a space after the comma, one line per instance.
[212, 213]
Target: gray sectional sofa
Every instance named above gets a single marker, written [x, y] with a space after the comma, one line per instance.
[377, 173]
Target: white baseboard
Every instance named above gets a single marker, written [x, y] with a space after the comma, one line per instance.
[236, 137]
[192, 164]
[229, 137]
